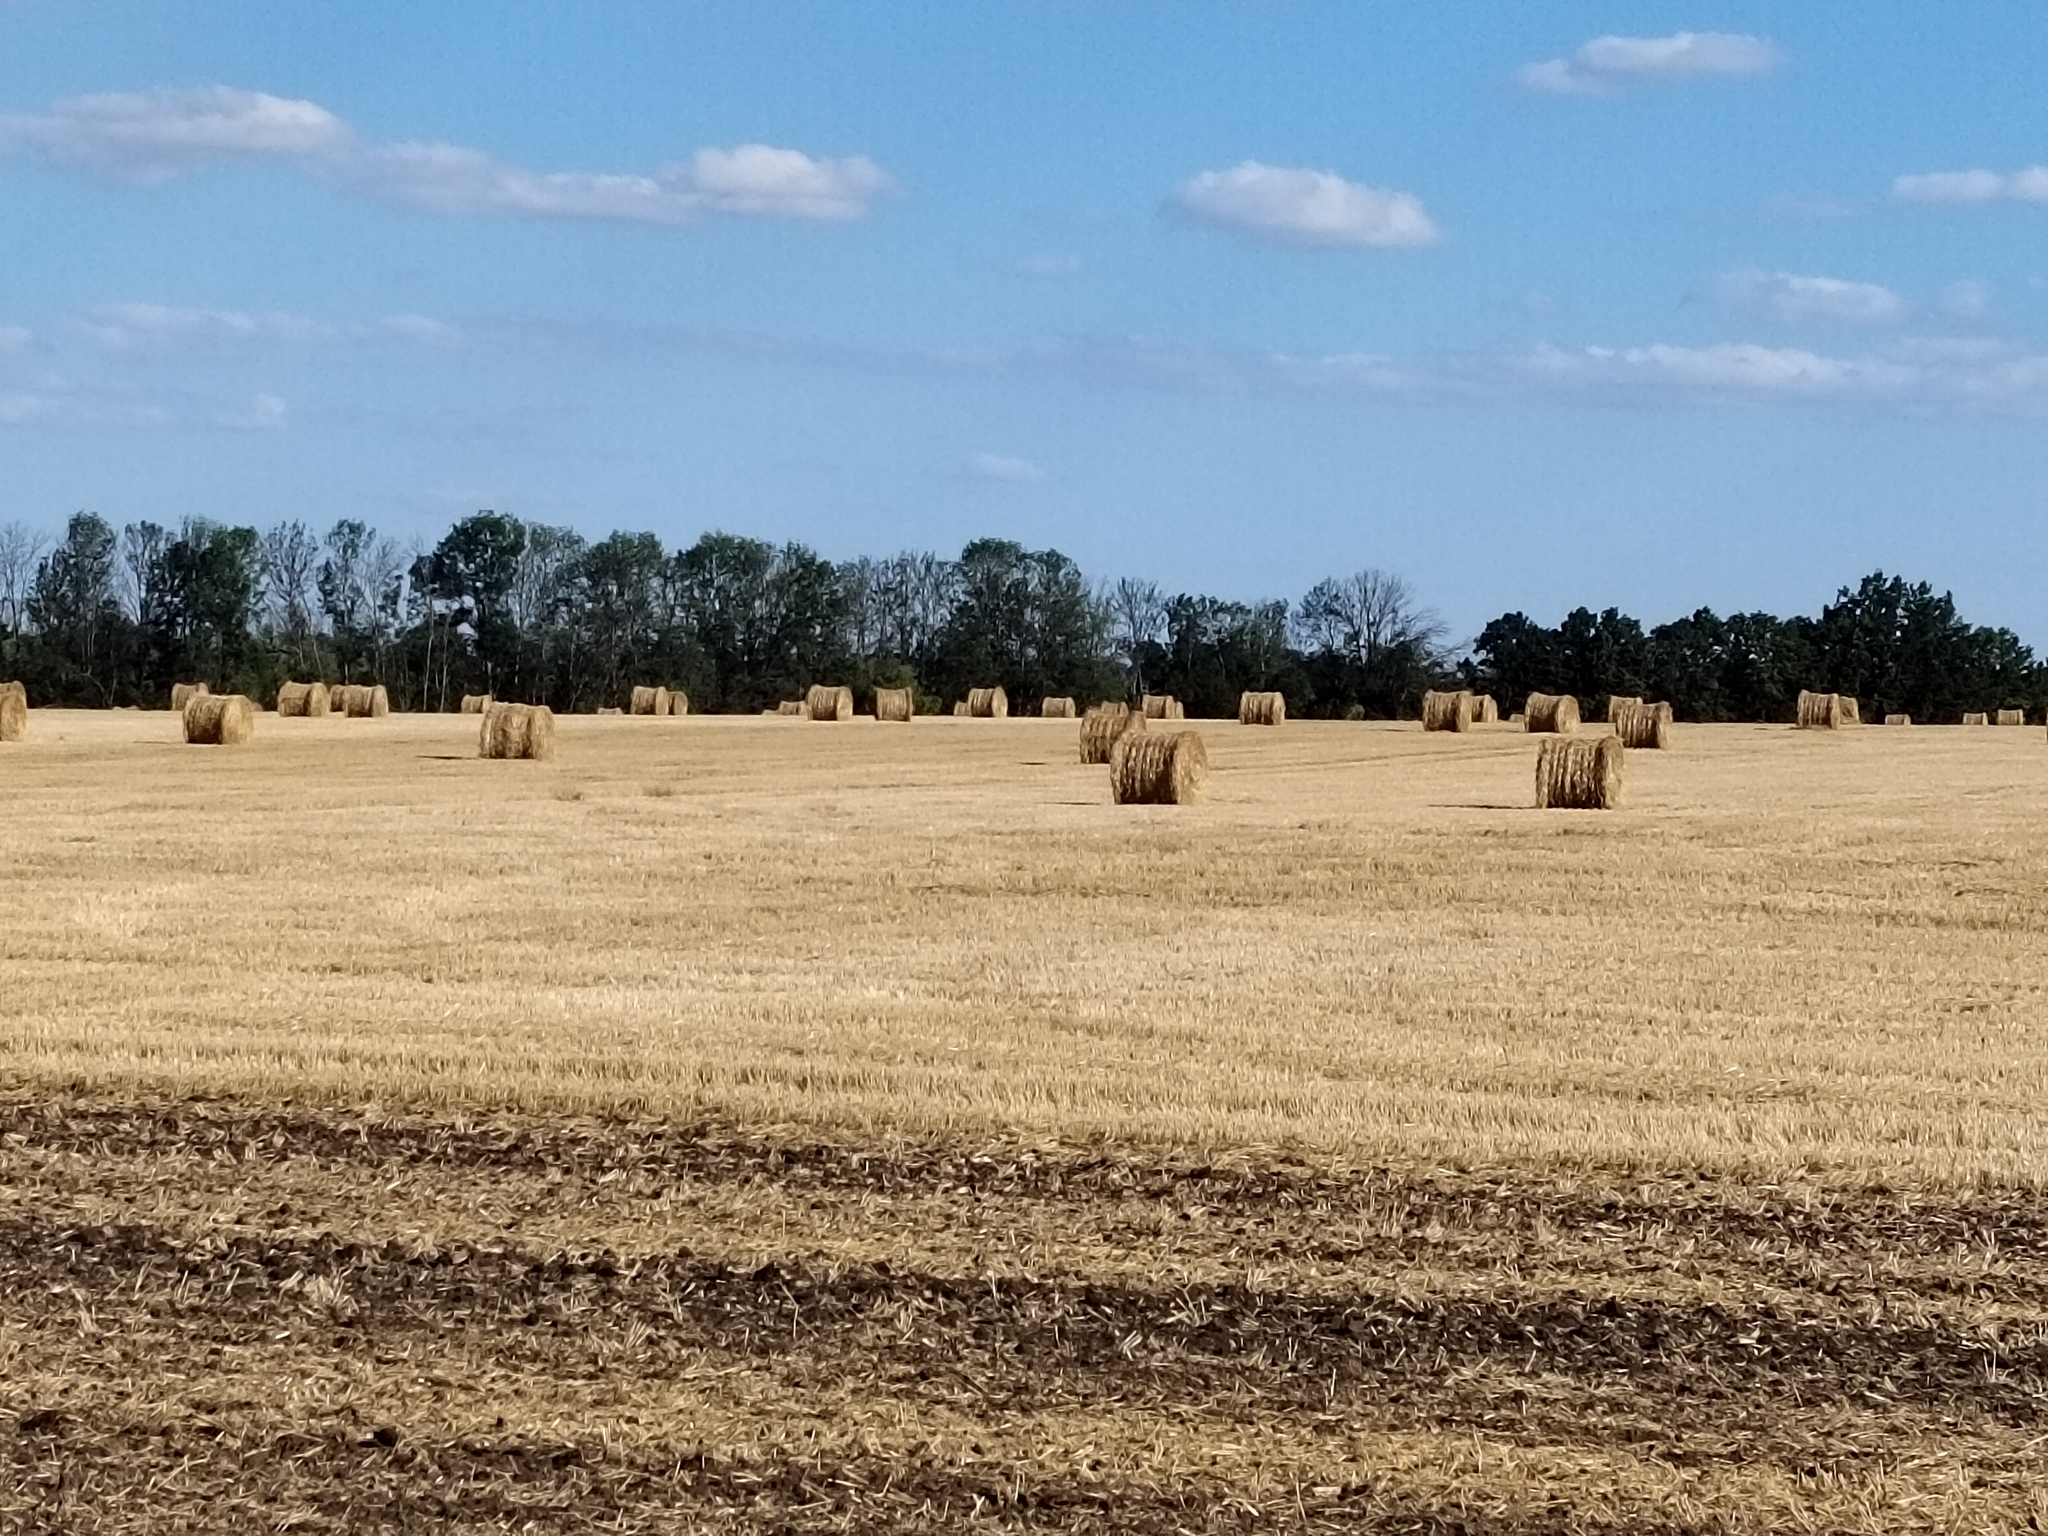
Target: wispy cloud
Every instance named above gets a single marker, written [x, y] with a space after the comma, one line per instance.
[1301, 207]
[154, 137]
[1788, 296]
[1610, 64]
[262, 413]
[1001, 468]
[164, 327]
[1974, 188]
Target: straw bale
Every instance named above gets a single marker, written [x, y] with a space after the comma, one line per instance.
[613, 709]
[1851, 714]
[1637, 724]
[1616, 703]
[678, 702]
[894, 704]
[182, 692]
[524, 731]
[1976, 719]
[1056, 708]
[1551, 712]
[988, 704]
[1580, 774]
[1517, 718]
[219, 720]
[827, 703]
[1158, 768]
[1447, 711]
[2012, 717]
[960, 710]
[1898, 719]
[1162, 706]
[307, 700]
[649, 701]
[1484, 710]
[791, 707]
[1103, 727]
[13, 711]
[1268, 708]
[1821, 711]
[475, 703]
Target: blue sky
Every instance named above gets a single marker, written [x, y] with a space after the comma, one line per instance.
[1536, 304]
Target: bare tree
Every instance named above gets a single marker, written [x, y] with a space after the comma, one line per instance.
[290, 557]
[21, 547]
[1138, 619]
[1367, 618]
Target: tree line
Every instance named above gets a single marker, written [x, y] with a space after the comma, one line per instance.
[102, 617]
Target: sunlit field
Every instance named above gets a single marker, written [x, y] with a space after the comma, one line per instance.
[770, 1124]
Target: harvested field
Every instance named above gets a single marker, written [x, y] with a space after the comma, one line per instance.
[651, 1162]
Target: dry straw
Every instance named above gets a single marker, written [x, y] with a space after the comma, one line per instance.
[304, 700]
[1163, 706]
[219, 720]
[1582, 774]
[475, 703]
[1262, 709]
[1851, 714]
[360, 702]
[791, 707]
[524, 731]
[1484, 710]
[1616, 703]
[893, 704]
[1898, 719]
[1637, 724]
[960, 710]
[184, 693]
[1821, 711]
[13, 711]
[1516, 718]
[649, 701]
[1103, 727]
[678, 702]
[1447, 711]
[988, 704]
[1976, 719]
[2012, 717]
[1557, 713]
[1056, 708]
[1158, 768]
[827, 703]
[613, 709]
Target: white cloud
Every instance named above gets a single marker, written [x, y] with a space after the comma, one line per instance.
[263, 413]
[1305, 207]
[1608, 64]
[1787, 296]
[421, 328]
[133, 327]
[1002, 468]
[1974, 188]
[153, 137]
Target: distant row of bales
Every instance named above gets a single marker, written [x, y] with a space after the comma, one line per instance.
[1146, 767]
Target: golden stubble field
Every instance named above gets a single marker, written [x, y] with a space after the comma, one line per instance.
[759, 1124]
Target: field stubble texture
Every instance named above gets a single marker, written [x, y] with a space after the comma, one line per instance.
[882, 1129]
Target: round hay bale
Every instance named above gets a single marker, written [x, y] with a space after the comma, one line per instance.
[1821, 711]
[960, 710]
[1162, 706]
[1056, 708]
[1851, 713]
[475, 703]
[1976, 719]
[613, 709]
[1447, 711]
[794, 708]
[366, 702]
[893, 704]
[1517, 719]
[1616, 703]
[521, 731]
[2012, 717]
[988, 704]
[678, 702]
[1158, 768]
[1484, 710]
[1898, 719]
[13, 711]
[310, 701]
[642, 702]
[1580, 774]
[184, 693]
[1103, 727]
[827, 703]
[1266, 708]
[218, 720]
[1637, 724]
[1557, 713]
